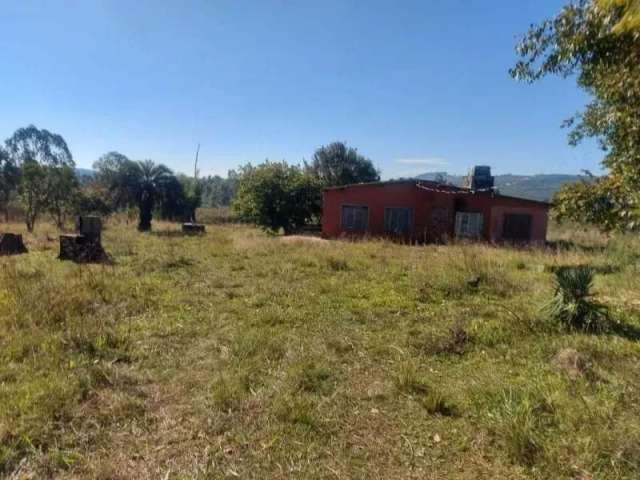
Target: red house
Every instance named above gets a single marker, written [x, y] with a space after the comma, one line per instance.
[426, 211]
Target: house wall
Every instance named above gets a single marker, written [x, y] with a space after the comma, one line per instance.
[425, 203]
[538, 222]
[494, 207]
[381, 196]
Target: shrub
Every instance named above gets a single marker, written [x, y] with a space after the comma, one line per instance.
[572, 304]
[277, 196]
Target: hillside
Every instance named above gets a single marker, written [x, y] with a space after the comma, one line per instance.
[85, 172]
[535, 187]
[244, 355]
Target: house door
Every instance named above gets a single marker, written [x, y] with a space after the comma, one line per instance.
[516, 227]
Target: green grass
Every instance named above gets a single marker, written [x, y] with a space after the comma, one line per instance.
[238, 354]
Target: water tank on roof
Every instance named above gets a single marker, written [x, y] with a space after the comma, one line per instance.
[480, 178]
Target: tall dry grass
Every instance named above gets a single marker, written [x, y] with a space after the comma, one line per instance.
[238, 353]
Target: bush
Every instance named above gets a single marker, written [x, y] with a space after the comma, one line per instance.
[277, 196]
[572, 304]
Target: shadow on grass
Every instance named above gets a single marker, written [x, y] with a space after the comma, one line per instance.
[623, 330]
[601, 269]
[169, 233]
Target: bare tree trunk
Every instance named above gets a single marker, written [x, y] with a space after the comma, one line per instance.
[5, 208]
[31, 214]
[30, 221]
[146, 213]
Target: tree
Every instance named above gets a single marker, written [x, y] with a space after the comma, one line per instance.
[598, 42]
[64, 188]
[9, 181]
[149, 180]
[40, 155]
[192, 196]
[277, 196]
[218, 191]
[141, 183]
[336, 164]
[92, 200]
[179, 198]
[117, 174]
[630, 17]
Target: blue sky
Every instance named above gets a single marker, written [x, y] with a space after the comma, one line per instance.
[416, 86]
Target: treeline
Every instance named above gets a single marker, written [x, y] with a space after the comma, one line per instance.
[38, 175]
[282, 197]
[218, 191]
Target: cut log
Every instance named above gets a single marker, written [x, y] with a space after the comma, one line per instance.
[193, 228]
[11, 244]
[82, 249]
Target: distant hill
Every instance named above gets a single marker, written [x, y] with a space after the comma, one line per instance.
[85, 172]
[534, 187]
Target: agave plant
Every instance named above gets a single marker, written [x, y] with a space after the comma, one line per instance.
[572, 303]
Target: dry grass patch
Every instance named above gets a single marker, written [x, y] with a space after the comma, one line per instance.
[238, 354]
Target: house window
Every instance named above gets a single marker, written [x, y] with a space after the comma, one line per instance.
[469, 225]
[355, 218]
[516, 227]
[398, 221]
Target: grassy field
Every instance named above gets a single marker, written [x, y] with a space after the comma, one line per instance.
[240, 355]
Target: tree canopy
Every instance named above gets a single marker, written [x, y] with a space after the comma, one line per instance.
[598, 43]
[336, 164]
[276, 195]
[9, 180]
[41, 146]
[46, 171]
[143, 184]
[218, 191]
[630, 16]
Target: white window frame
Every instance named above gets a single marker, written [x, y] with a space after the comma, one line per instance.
[469, 224]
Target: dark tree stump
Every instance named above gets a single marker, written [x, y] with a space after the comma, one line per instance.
[81, 249]
[90, 227]
[192, 228]
[11, 244]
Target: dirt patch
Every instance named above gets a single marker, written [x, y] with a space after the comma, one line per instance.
[571, 362]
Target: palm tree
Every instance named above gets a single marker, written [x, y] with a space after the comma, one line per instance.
[147, 181]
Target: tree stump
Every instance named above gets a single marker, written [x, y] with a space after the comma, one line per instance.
[193, 228]
[90, 227]
[11, 244]
[81, 249]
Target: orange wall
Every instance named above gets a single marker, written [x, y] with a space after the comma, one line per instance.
[408, 195]
[377, 198]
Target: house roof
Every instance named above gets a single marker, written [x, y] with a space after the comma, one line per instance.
[437, 186]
